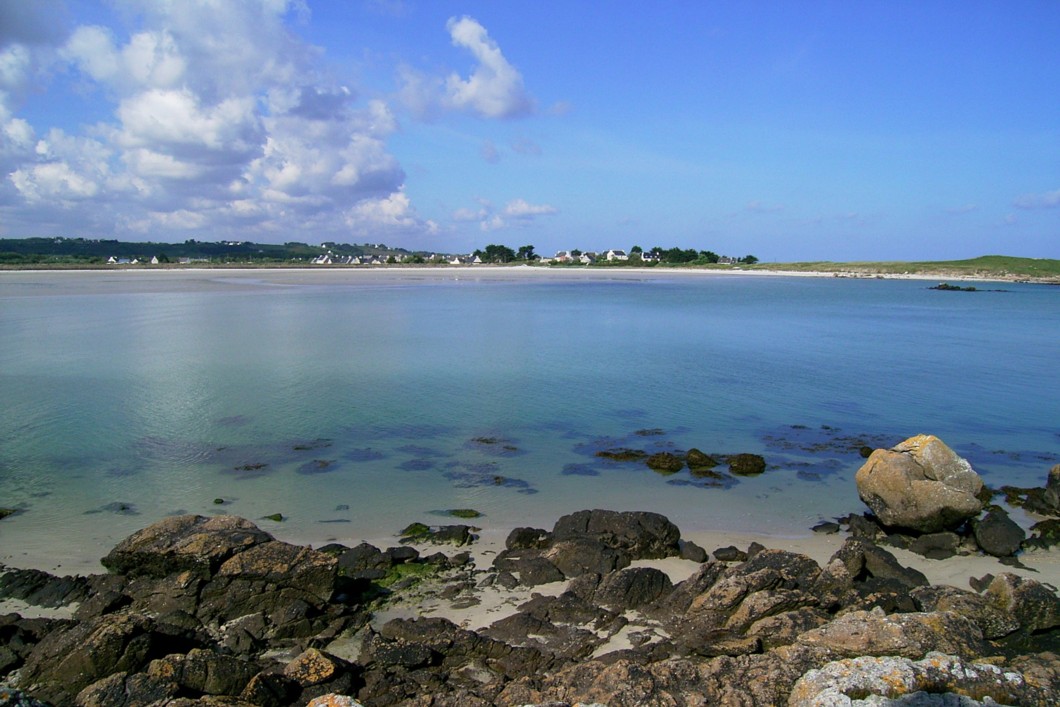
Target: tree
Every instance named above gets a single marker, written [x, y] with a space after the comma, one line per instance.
[575, 253]
[636, 250]
[526, 252]
[749, 259]
[709, 256]
[496, 254]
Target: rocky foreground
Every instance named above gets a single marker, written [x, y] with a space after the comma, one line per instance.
[212, 611]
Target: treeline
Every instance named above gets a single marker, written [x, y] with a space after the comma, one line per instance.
[36, 251]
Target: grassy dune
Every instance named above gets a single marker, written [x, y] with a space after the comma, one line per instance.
[987, 267]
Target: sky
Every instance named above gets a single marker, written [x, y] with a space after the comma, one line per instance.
[792, 131]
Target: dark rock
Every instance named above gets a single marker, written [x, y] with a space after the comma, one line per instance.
[70, 659]
[39, 588]
[124, 690]
[183, 543]
[204, 672]
[863, 527]
[998, 535]
[826, 528]
[665, 462]
[533, 571]
[692, 552]
[864, 560]
[1044, 534]
[578, 555]
[699, 460]
[622, 454]
[632, 588]
[730, 553]
[442, 534]
[639, 534]
[935, 546]
[865, 451]
[528, 539]
[746, 464]
[270, 689]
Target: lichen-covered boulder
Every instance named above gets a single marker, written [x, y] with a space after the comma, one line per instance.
[183, 543]
[921, 484]
[900, 680]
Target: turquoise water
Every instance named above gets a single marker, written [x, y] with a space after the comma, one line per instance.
[357, 402]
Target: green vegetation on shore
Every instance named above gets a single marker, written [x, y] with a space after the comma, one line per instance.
[987, 267]
[77, 253]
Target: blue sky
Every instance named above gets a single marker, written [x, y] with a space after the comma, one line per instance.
[787, 130]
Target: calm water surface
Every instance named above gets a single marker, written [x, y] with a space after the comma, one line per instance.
[355, 403]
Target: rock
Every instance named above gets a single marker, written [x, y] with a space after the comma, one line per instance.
[70, 659]
[1052, 488]
[441, 534]
[639, 534]
[692, 552]
[992, 621]
[203, 671]
[912, 635]
[746, 464]
[183, 543]
[124, 690]
[283, 564]
[632, 588]
[921, 484]
[533, 571]
[333, 700]
[528, 539]
[314, 667]
[899, 680]
[826, 528]
[936, 546]
[1032, 604]
[579, 555]
[665, 462]
[16, 698]
[998, 535]
[698, 460]
[39, 588]
[730, 553]
[863, 559]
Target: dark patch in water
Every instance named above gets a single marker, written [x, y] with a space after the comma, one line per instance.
[363, 455]
[318, 466]
[334, 520]
[311, 445]
[232, 421]
[342, 507]
[580, 470]
[119, 507]
[417, 465]
[981, 456]
[725, 482]
[494, 446]
[421, 431]
[478, 474]
[818, 440]
[121, 472]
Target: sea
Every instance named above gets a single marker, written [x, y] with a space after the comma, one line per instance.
[355, 402]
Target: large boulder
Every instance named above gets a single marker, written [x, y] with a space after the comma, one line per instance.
[921, 484]
[183, 543]
[640, 534]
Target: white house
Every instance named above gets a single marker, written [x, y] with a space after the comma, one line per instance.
[617, 255]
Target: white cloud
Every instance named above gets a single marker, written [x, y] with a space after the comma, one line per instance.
[1046, 200]
[222, 119]
[519, 208]
[495, 87]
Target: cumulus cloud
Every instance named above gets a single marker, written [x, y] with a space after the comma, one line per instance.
[1046, 200]
[520, 208]
[495, 87]
[221, 119]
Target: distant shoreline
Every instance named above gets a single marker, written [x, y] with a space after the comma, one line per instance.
[853, 273]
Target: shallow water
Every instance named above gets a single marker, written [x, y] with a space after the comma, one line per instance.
[355, 403]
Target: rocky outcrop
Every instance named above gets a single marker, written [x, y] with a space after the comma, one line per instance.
[249, 620]
[895, 678]
[921, 484]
